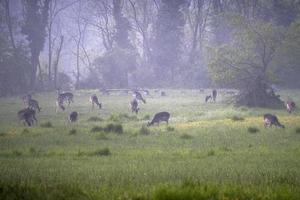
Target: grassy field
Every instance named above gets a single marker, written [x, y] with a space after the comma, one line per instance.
[208, 151]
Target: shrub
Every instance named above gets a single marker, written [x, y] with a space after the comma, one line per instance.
[115, 128]
[297, 130]
[16, 153]
[101, 136]
[25, 131]
[101, 152]
[96, 129]
[114, 118]
[146, 117]
[72, 132]
[170, 128]
[46, 125]
[3, 134]
[144, 131]
[237, 118]
[186, 136]
[95, 119]
[253, 130]
[211, 153]
[32, 150]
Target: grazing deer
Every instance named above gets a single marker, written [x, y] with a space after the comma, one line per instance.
[139, 96]
[208, 97]
[65, 96]
[214, 95]
[73, 116]
[290, 106]
[134, 106]
[270, 120]
[31, 103]
[59, 104]
[159, 117]
[94, 100]
[27, 115]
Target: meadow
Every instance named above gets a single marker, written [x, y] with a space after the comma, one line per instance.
[208, 150]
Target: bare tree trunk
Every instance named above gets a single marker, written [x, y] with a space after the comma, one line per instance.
[57, 60]
[9, 25]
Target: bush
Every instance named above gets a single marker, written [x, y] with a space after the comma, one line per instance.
[144, 131]
[3, 134]
[253, 130]
[32, 150]
[115, 128]
[170, 128]
[96, 129]
[102, 152]
[72, 132]
[95, 119]
[146, 117]
[16, 153]
[46, 125]
[186, 136]
[237, 118]
[211, 153]
[101, 136]
[25, 131]
[114, 118]
[297, 130]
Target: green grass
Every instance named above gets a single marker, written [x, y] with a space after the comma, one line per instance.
[202, 153]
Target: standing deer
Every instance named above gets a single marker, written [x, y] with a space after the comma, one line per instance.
[134, 106]
[139, 96]
[214, 95]
[159, 117]
[65, 96]
[59, 104]
[270, 120]
[94, 100]
[27, 115]
[73, 116]
[290, 106]
[31, 103]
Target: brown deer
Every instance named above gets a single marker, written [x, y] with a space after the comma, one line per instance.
[65, 96]
[208, 97]
[270, 120]
[214, 95]
[94, 100]
[31, 103]
[134, 106]
[73, 116]
[290, 106]
[159, 117]
[139, 96]
[27, 115]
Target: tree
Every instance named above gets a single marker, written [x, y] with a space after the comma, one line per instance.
[167, 43]
[247, 62]
[34, 27]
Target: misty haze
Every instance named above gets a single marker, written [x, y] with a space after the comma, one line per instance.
[149, 99]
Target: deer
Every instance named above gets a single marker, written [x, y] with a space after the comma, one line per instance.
[65, 96]
[160, 117]
[208, 97]
[94, 100]
[290, 106]
[59, 104]
[27, 115]
[214, 95]
[73, 116]
[270, 120]
[134, 106]
[31, 103]
[139, 96]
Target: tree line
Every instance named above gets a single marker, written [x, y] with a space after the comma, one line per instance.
[49, 44]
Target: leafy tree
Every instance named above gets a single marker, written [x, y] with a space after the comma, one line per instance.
[34, 27]
[247, 62]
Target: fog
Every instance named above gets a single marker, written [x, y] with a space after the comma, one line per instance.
[76, 44]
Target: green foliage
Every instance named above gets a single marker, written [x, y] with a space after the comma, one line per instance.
[96, 129]
[46, 125]
[170, 129]
[144, 131]
[253, 129]
[237, 118]
[297, 130]
[211, 152]
[95, 119]
[113, 128]
[72, 132]
[101, 152]
[185, 136]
